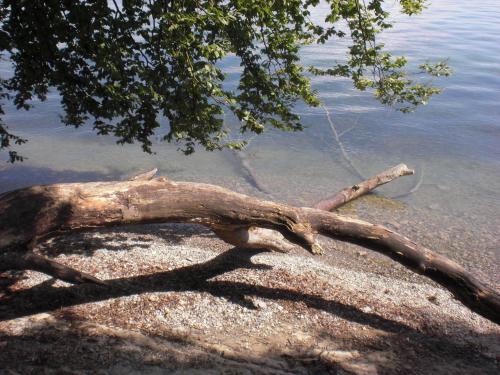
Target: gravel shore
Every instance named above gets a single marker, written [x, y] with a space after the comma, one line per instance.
[183, 302]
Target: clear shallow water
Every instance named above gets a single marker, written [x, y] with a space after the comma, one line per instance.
[454, 142]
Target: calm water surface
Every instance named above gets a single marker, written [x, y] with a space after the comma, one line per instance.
[453, 142]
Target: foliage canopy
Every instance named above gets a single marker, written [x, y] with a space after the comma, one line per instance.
[124, 65]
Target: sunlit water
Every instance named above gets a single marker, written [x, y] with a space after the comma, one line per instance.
[453, 142]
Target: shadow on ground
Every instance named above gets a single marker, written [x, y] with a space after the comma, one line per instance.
[406, 348]
[125, 238]
[67, 341]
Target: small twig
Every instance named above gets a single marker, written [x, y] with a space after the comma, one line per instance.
[248, 171]
[349, 161]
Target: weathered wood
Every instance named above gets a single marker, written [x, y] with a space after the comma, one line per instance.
[355, 191]
[36, 213]
[255, 238]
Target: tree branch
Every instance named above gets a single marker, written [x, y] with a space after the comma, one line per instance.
[352, 192]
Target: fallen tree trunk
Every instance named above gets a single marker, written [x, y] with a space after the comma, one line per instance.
[33, 214]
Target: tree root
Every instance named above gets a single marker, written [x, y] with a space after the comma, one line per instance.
[35, 262]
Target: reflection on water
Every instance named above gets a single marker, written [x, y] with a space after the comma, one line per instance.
[454, 141]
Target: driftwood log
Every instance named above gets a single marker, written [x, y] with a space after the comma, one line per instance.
[31, 215]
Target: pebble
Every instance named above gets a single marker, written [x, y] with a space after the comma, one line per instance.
[433, 299]
[208, 313]
[366, 309]
[261, 305]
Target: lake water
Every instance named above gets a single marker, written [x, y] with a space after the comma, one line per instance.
[453, 142]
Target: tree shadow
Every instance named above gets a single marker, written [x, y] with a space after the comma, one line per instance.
[43, 298]
[68, 345]
[431, 349]
[67, 341]
[20, 175]
[433, 352]
[125, 237]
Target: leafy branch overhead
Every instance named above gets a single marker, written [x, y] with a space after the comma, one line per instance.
[125, 65]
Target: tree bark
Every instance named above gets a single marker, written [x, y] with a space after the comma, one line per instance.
[33, 214]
